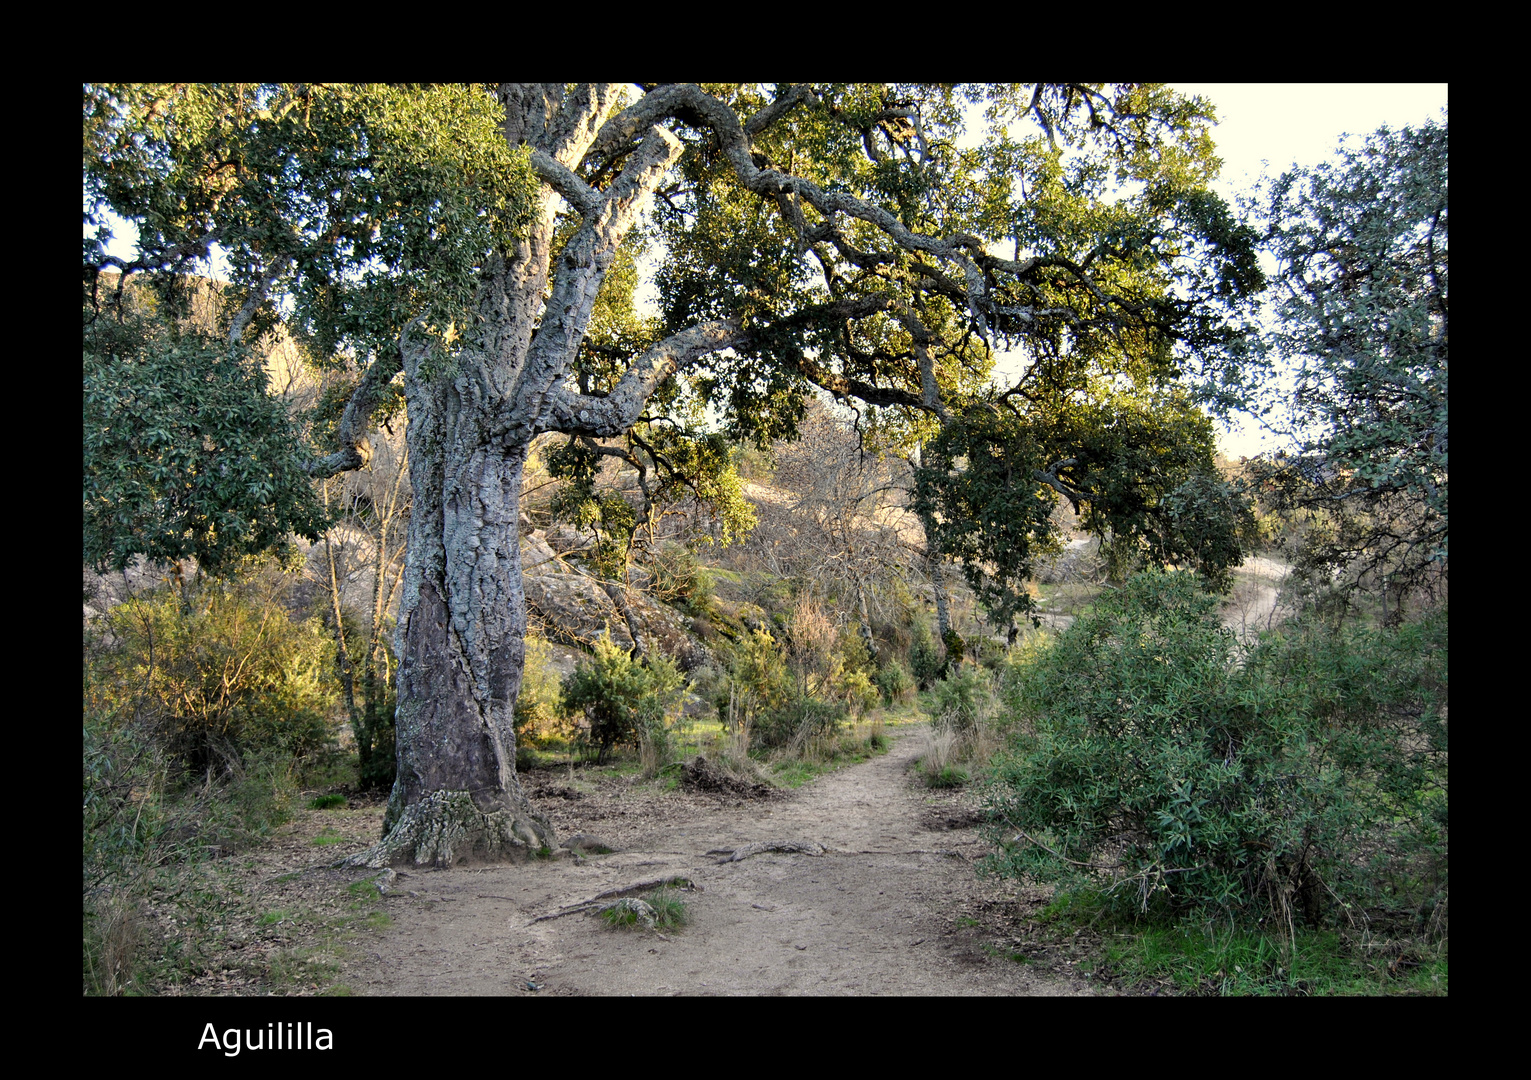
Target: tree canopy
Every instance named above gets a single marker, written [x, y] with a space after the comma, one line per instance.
[186, 454]
[1363, 312]
[475, 240]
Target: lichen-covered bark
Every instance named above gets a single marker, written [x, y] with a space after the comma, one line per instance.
[449, 828]
[462, 624]
[462, 608]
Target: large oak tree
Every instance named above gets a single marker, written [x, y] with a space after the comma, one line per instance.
[458, 239]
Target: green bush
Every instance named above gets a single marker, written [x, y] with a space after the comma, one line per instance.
[797, 721]
[539, 705]
[926, 658]
[758, 681]
[895, 682]
[964, 699]
[679, 578]
[1156, 760]
[214, 675]
[623, 700]
[856, 689]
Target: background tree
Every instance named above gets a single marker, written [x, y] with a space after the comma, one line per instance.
[365, 547]
[186, 455]
[1363, 305]
[832, 236]
[846, 536]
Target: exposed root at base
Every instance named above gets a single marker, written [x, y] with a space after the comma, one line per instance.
[786, 847]
[446, 828]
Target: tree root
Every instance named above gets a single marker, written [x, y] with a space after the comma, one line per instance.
[447, 829]
[786, 847]
[673, 881]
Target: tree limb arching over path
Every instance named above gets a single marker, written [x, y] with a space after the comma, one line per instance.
[823, 236]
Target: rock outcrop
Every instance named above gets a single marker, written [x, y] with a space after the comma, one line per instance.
[568, 606]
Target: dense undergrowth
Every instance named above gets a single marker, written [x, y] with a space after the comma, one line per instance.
[1222, 816]
[206, 710]
[1199, 799]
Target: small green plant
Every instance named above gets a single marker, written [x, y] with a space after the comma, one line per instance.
[326, 802]
[948, 776]
[895, 682]
[669, 909]
[964, 700]
[328, 837]
[623, 700]
[926, 659]
[661, 909]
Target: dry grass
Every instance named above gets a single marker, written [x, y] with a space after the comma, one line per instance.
[948, 756]
[111, 945]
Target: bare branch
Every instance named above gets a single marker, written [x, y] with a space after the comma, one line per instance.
[587, 414]
[353, 430]
[253, 303]
[778, 108]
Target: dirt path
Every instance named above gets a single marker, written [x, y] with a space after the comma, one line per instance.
[892, 907]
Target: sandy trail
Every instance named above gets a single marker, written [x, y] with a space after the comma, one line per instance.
[893, 907]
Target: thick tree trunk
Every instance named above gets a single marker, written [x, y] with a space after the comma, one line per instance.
[462, 622]
[462, 609]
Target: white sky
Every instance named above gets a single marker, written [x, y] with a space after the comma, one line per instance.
[1281, 124]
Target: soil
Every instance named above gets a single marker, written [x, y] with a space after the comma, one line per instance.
[892, 905]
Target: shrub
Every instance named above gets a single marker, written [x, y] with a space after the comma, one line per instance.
[855, 688]
[215, 674]
[539, 705]
[926, 659]
[758, 681]
[1194, 782]
[964, 700]
[797, 721]
[679, 578]
[895, 682]
[622, 699]
[199, 709]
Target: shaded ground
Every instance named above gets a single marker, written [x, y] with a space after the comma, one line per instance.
[892, 907]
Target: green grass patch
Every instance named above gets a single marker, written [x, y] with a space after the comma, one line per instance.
[826, 756]
[328, 837]
[271, 918]
[326, 802]
[1012, 956]
[308, 965]
[669, 909]
[1218, 961]
[948, 776]
[796, 772]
